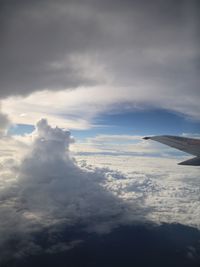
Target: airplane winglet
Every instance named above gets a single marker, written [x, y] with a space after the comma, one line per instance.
[192, 162]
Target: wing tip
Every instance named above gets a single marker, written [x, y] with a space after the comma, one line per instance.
[191, 162]
[146, 138]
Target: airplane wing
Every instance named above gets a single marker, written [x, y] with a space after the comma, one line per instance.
[188, 145]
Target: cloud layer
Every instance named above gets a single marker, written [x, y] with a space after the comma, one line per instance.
[138, 54]
[45, 189]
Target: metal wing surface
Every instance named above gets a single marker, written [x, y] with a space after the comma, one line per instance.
[188, 145]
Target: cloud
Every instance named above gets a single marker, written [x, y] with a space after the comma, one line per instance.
[141, 54]
[119, 145]
[79, 108]
[76, 60]
[47, 190]
[170, 193]
[54, 179]
[4, 122]
[42, 45]
[44, 190]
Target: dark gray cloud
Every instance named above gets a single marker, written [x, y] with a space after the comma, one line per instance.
[140, 42]
[4, 122]
[36, 35]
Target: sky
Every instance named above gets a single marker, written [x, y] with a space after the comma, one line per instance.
[81, 83]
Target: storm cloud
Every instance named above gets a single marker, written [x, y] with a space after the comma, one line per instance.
[149, 50]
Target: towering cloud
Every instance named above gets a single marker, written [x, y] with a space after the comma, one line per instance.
[55, 187]
[51, 191]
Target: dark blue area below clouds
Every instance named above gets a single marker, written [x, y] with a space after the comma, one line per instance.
[166, 245]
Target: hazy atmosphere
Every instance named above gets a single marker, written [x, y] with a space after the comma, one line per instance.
[81, 84]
